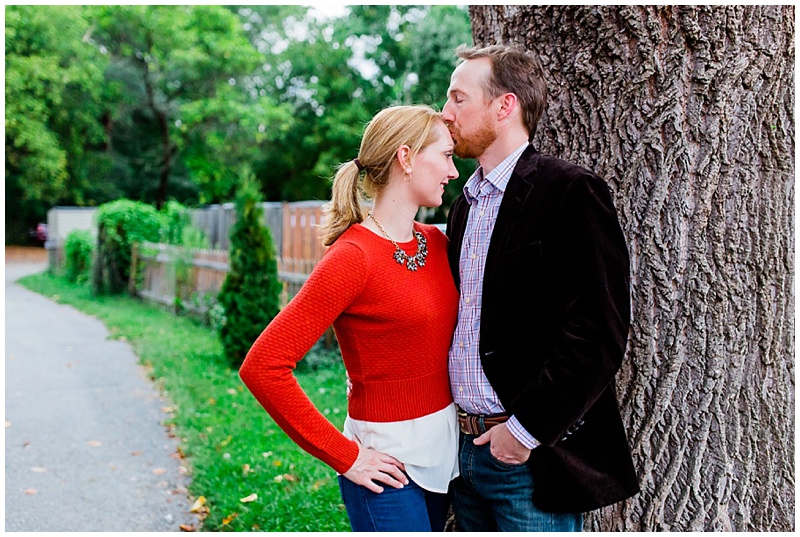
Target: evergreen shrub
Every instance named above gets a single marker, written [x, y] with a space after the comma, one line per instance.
[250, 296]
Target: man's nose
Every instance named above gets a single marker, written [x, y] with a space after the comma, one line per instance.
[447, 114]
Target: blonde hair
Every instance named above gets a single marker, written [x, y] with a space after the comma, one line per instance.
[390, 128]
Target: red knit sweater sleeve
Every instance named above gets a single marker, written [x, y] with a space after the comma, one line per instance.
[267, 370]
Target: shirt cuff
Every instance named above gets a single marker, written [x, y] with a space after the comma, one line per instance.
[519, 432]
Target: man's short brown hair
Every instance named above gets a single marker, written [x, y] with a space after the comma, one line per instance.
[516, 71]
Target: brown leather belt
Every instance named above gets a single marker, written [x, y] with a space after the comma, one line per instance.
[477, 424]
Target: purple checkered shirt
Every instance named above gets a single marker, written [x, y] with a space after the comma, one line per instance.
[471, 389]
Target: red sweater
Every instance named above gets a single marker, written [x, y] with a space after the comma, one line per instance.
[394, 329]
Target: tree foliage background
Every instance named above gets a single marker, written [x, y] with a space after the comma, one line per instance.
[157, 103]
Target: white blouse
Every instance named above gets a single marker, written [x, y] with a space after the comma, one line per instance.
[427, 446]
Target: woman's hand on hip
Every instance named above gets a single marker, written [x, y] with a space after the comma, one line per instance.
[371, 466]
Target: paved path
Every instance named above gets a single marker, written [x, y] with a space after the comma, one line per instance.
[85, 444]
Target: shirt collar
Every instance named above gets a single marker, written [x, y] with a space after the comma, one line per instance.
[497, 179]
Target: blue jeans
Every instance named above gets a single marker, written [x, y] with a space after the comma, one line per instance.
[491, 495]
[410, 508]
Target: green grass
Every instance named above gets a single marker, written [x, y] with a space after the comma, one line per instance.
[232, 447]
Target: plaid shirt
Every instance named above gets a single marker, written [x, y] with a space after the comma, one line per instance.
[471, 389]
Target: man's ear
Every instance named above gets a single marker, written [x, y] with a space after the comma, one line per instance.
[508, 105]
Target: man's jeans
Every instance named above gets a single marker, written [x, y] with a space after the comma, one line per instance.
[490, 495]
[410, 508]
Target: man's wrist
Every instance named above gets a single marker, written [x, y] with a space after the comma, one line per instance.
[518, 431]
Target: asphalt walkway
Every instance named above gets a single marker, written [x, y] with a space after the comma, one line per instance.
[86, 448]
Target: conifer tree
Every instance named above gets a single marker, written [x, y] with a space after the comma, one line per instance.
[250, 294]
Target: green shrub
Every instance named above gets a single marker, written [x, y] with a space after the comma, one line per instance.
[120, 224]
[78, 248]
[176, 220]
[193, 237]
[249, 297]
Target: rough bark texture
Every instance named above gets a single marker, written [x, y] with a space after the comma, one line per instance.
[688, 112]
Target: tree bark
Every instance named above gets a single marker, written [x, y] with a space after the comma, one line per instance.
[688, 112]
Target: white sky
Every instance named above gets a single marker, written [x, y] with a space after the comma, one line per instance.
[328, 9]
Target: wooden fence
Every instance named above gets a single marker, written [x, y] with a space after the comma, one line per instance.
[191, 278]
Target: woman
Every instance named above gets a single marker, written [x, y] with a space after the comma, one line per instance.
[385, 286]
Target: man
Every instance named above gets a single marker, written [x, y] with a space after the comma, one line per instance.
[542, 266]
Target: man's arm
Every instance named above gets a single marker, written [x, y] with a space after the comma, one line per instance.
[593, 299]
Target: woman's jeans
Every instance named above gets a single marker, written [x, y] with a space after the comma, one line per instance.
[410, 508]
[491, 495]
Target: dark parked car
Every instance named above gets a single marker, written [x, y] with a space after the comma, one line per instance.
[39, 234]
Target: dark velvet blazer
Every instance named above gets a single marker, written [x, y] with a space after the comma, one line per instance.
[554, 327]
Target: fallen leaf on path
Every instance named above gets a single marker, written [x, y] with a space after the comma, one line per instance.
[198, 504]
[186, 527]
[8, 424]
[94, 443]
[253, 497]
[227, 520]
[159, 471]
[30, 491]
[167, 409]
[136, 453]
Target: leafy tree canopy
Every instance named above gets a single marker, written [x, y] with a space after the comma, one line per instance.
[153, 103]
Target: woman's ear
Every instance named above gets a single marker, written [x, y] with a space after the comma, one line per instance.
[404, 157]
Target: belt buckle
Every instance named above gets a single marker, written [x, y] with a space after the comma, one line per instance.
[469, 424]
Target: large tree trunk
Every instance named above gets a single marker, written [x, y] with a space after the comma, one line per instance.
[688, 113]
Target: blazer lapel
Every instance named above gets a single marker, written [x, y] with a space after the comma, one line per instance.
[518, 189]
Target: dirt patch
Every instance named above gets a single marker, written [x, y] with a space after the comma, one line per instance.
[26, 254]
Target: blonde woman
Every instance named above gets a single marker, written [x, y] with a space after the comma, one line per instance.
[385, 286]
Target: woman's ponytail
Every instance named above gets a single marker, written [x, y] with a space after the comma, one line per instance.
[344, 209]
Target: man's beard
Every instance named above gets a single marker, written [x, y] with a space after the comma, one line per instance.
[475, 144]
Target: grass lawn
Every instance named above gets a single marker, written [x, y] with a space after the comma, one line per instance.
[232, 447]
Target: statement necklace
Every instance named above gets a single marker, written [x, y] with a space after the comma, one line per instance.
[411, 262]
